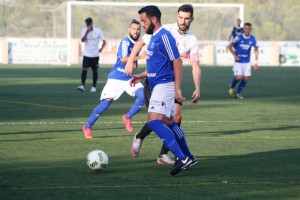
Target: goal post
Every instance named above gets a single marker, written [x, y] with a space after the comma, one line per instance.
[71, 4]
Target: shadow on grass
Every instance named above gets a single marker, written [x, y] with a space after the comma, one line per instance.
[243, 131]
[221, 176]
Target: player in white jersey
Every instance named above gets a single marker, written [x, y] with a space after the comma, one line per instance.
[187, 45]
[91, 36]
[118, 83]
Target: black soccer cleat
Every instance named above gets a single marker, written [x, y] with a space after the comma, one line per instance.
[180, 164]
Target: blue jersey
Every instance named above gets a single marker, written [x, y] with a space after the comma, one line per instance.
[161, 52]
[243, 45]
[124, 50]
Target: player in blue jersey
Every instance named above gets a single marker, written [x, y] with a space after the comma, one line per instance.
[236, 30]
[164, 73]
[240, 48]
[118, 83]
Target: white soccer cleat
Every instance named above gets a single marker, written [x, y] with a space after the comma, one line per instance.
[136, 146]
[81, 88]
[165, 160]
[93, 89]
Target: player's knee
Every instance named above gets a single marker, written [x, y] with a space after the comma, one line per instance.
[245, 78]
[238, 77]
[178, 118]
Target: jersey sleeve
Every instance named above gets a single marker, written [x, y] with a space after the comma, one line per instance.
[124, 48]
[170, 46]
[255, 44]
[101, 35]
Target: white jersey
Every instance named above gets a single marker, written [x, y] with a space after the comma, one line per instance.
[187, 43]
[91, 45]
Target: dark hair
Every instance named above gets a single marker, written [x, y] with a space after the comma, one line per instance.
[247, 24]
[186, 8]
[88, 21]
[151, 11]
[134, 21]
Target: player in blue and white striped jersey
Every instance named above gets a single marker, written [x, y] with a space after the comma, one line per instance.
[240, 48]
[118, 83]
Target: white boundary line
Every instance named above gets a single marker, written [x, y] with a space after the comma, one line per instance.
[141, 122]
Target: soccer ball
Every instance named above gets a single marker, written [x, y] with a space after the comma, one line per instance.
[97, 160]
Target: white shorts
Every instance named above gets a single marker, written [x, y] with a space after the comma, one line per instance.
[113, 89]
[243, 69]
[162, 99]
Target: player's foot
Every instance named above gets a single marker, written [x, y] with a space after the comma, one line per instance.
[180, 164]
[194, 162]
[81, 88]
[165, 160]
[127, 123]
[231, 92]
[93, 89]
[87, 132]
[239, 96]
[136, 146]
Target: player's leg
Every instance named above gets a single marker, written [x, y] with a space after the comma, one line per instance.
[85, 67]
[145, 131]
[237, 72]
[95, 66]
[162, 105]
[246, 72]
[138, 91]
[112, 91]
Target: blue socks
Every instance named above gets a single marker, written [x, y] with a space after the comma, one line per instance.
[97, 112]
[138, 104]
[179, 135]
[234, 82]
[242, 85]
[167, 136]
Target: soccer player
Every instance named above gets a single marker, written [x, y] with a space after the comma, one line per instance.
[188, 46]
[164, 73]
[118, 83]
[91, 36]
[236, 30]
[240, 48]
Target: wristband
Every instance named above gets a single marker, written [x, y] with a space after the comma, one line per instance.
[255, 62]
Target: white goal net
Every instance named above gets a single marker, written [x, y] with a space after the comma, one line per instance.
[212, 21]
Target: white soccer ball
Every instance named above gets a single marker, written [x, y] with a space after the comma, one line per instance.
[97, 160]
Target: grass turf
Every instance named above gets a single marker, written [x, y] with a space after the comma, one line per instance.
[247, 149]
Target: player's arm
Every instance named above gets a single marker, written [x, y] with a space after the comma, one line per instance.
[130, 60]
[84, 34]
[177, 63]
[137, 78]
[103, 45]
[255, 66]
[196, 71]
[232, 51]
[139, 57]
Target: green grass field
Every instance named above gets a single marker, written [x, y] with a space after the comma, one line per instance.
[247, 149]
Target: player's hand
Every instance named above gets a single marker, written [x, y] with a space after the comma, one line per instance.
[255, 67]
[196, 96]
[135, 79]
[178, 95]
[129, 67]
[236, 58]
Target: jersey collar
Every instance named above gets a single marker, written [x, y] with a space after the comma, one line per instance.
[157, 31]
[244, 36]
[131, 39]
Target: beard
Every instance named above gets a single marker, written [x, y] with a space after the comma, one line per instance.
[150, 29]
[134, 38]
[186, 27]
